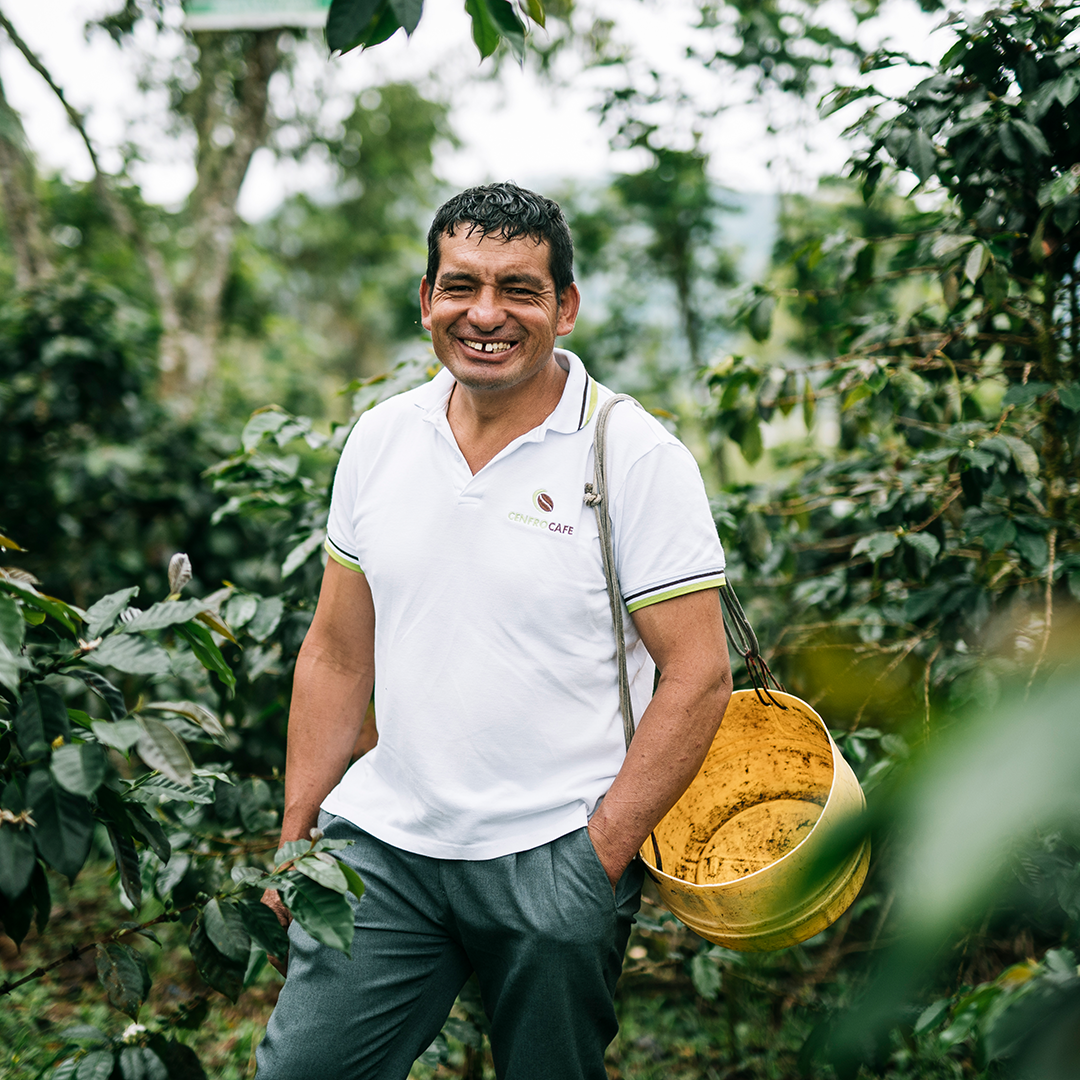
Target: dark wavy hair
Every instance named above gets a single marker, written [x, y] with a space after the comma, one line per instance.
[507, 211]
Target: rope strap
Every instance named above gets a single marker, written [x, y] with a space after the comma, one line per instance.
[740, 632]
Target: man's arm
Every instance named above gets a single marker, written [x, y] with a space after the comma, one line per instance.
[685, 637]
[335, 673]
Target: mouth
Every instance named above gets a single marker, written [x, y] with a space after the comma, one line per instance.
[489, 347]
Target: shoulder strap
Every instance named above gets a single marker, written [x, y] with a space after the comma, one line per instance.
[596, 497]
[741, 634]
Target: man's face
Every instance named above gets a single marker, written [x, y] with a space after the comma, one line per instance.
[492, 310]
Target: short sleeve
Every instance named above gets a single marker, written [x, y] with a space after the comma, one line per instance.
[665, 539]
[341, 543]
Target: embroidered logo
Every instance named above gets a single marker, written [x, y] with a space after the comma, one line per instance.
[543, 501]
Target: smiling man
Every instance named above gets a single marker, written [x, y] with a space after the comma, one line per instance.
[496, 823]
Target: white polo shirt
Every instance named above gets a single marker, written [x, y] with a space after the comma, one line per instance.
[495, 663]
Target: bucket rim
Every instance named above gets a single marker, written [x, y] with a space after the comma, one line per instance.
[835, 752]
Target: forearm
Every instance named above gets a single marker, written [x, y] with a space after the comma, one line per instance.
[328, 705]
[672, 739]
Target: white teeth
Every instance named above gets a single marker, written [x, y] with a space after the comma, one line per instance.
[488, 346]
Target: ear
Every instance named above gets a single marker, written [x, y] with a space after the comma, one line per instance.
[425, 304]
[569, 302]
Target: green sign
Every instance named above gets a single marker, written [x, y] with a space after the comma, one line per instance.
[253, 14]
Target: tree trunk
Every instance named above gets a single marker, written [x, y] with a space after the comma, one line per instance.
[229, 110]
[20, 204]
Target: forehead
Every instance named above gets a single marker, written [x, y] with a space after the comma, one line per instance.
[493, 256]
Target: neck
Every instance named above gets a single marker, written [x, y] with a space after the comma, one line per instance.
[486, 421]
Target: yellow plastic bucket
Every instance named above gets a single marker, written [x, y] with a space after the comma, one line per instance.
[737, 848]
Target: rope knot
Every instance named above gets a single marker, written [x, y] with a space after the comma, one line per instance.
[592, 496]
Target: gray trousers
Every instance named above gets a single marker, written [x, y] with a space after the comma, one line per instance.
[542, 929]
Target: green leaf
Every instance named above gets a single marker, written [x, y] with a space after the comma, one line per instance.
[1032, 547]
[141, 1063]
[925, 543]
[265, 620]
[10, 666]
[760, 316]
[921, 155]
[1010, 144]
[291, 849]
[162, 750]
[255, 805]
[1035, 138]
[1025, 458]
[876, 545]
[97, 1065]
[932, 1016]
[484, 31]
[150, 828]
[200, 792]
[121, 735]
[124, 975]
[408, 13]
[263, 926]
[207, 652]
[41, 897]
[80, 769]
[809, 404]
[509, 25]
[225, 928]
[183, 1063]
[165, 614]
[535, 10]
[49, 605]
[40, 719]
[857, 393]
[356, 884]
[193, 711]
[1023, 394]
[302, 552]
[131, 655]
[220, 972]
[129, 817]
[324, 869]
[102, 616]
[977, 261]
[104, 689]
[12, 624]
[83, 719]
[347, 23]
[16, 859]
[325, 915]
[127, 863]
[240, 609]
[1059, 188]
[64, 825]
[706, 977]
[83, 1033]
[1069, 396]
[16, 916]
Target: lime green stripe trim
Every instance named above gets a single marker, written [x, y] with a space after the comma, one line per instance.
[594, 393]
[341, 559]
[682, 590]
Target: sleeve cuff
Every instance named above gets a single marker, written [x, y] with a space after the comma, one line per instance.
[350, 562]
[713, 579]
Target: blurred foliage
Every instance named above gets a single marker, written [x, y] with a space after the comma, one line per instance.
[902, 391]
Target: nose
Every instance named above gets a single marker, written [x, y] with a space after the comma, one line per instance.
[485, 311]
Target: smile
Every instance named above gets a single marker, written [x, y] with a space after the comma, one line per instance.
[488, 346]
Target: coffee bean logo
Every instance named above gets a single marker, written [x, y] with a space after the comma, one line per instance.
[543, 501]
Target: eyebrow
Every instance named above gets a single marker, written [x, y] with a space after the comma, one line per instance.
[508, 279]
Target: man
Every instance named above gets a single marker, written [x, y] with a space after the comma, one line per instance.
[497, 820]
